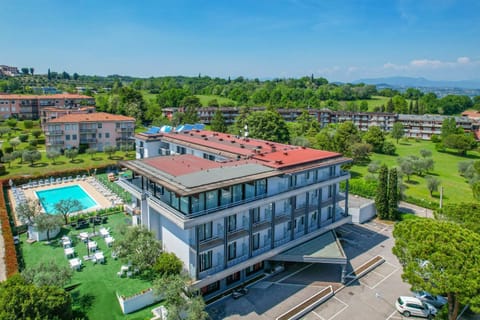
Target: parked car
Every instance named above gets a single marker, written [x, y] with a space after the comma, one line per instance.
[436, 301]
[411, 306]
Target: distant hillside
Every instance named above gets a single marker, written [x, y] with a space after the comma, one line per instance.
[420, 82]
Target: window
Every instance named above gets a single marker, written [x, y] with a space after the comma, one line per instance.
[330, 212]
[330, 191]
[232, 223]
[107, 135]
[74, 137]
[314, 216]
[99, 125]
[205, 231]
[232, 251]
[289, 225]
[117, 125]
[210, 288]
[256, 241]
[205, 260]
[233, 278]
[67, 137]
[255, 215]
[67, 127]
[100, 135]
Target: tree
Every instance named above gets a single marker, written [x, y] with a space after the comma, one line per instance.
[462, 142]
[91, 152]
[53, 155]
[71, 154]
[65, 207]
[345, 136]
[373, 167]
[22, 300]
[381, 199]
[305, 123]
[361, 151]
[31, 156]
[48, 274]
[398, 131]
[4, 130]
[390, 107]
[375, 137]
[268, 125]
[12, 123]
[466, 215]
[31, 71]
[25, 71]
[28, 124]
[110, 150]
[442, 258]
[393, 195]
[47, 222]
[449, 126]
[425, 153]
[14, 142]
[240, 120]
[168, 264]
[191, 104]
[406, 166]
[27, 210]
[8, 158]
[138, 246]
[218, 122]
[36, 133]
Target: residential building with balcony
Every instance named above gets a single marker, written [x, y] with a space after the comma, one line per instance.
[96, 130]
[31, 106]
[424, 126]
[228, 207]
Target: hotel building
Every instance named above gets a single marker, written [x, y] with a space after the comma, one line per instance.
[233, 208]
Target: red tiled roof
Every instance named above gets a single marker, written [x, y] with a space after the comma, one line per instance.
[50, 96]
[91, 117]
[271, 154]
[471, 114]
[180, 165]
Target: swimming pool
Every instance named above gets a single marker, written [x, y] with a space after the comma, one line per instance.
[48, 198]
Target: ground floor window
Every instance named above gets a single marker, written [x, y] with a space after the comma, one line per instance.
[210, 288]
[233, 278]
[255, 268]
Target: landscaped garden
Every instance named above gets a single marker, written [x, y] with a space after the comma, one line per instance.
[95, 285]
[455, 187]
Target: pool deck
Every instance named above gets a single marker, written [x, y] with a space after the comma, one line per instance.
[102, 201]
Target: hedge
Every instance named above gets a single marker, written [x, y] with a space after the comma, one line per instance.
[11, 263]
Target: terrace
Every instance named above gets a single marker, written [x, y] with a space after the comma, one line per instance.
[95, 285]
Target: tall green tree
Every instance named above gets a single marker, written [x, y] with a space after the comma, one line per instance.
[442, 258]
[240, 120]
[65, 207]
[381, 199]
[398, 131]
[48, 274]
[218, 122]
[432, 184]
[22, 300]
[449, 126]
[305, 123]
[139, 246]
[47, 222]
[462, 142]
[191, 104]
[268, 125]
[346, 135]
[466, 214]
[27, 211]
[393, 195]
[376, 137]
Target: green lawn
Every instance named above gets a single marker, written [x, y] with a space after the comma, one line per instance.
[205, 99]
[455, 187]
[98, 283]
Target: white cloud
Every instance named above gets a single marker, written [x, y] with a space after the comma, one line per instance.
[426, 63]
[463, 60]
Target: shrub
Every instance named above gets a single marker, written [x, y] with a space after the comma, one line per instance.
[28, 124]
[11, 263]
[435, 138]
[2, 169]
[33, 142]
[8, 149]
[41, 140]
[37, 133]
[23, 137]
[388, 148]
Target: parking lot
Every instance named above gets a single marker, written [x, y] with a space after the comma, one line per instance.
[371, 297]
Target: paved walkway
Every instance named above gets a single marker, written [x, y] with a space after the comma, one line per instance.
[411, 208]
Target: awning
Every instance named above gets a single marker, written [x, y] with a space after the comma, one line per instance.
[322, 249]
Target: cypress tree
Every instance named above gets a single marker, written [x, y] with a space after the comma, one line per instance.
[393, 195]
[390, 106]
[381, 200]
[415, 108]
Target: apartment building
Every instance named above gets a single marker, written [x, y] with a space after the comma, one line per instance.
[8, 71]
[31, 106]
[50, 113]
[362, 120]
[96, 130]
[424, 126]
[228, 206]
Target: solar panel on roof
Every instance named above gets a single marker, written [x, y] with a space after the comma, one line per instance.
[188, 127]
[198, 126]
[153, 130]
[166, 129]
[179, 128]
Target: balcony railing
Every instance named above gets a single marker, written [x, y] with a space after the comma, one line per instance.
[260, 250]
[86, 130]
[124, 129]
[54, 133]
[237, 260]
[210, 271]
[281, 241]
[55, 143]
[91, 140]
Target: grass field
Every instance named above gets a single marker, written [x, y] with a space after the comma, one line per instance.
[205, 99]
[98, 283]
[455, 187]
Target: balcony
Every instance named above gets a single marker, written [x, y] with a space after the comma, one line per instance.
[87, 141]
[210, 243]
[237, 260]
[260, 250]
[210, 271]
[260, 225]
[55, 143]
[124, 129]
[237, 234]
[54, 133]
[88, 130]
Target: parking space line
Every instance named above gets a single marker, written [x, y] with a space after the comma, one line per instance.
[292, 274]
[391, 315]
[341, 310]
[385, 278]
[318, 315]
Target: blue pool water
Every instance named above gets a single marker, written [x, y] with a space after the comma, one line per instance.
[48, 198]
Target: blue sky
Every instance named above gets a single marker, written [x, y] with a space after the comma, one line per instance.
[340, 40]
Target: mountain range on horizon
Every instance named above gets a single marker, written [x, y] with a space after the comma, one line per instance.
[420, 82]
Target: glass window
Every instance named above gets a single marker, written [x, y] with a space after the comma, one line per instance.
[256, 241]
[212, 199]
[100, 135]
[205, 260]
[205, 231]
[249, 190]
[107, 135]
[261, 187]
[197, 202]
[67, 137]
[232, 250]
[237, 193]
[184, 205]
[255, 215]
[117, 125]
[232, 223]
[226, 196]
[233, 278]
[74, 137]
[99, 125]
